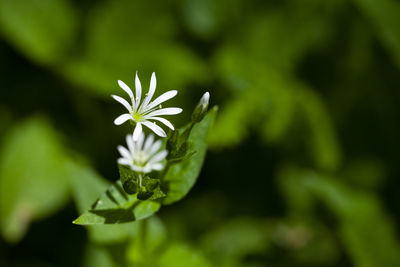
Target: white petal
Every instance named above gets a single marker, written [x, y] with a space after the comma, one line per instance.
[125, 88]
[150, 94]
[123, 102]
[165, 111]
[153, 84]
[148, 143]
[155, 128]
[123, 118]
[157, 166]
[159, 156]
[124, 161]
[166, 122]
[136, 168]
[138, 87]
[129, 142]
[139, 142]
[137, 132]
[124, 152]
[147, 168]
[155, 147]
[162, 98]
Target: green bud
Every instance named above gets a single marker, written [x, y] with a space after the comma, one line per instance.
[144, 194]
[129, 179]
[130, 187]
[201, 108]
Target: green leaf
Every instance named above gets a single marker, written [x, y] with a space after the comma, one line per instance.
[116, 206]
[34, 176]
[231, 242]
[98, 256]
[150, 189]
[323, 143]
[364, 226]
[87, 185]
[43, 30]
[273, 108]
[180, 255]
[182, 158]
[181, 176]
[384, 14]
[144, 250]
[113, 51]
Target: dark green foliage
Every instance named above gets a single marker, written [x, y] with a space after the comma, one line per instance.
[303, 165]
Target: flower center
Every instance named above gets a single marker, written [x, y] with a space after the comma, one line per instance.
[140, 159]
[136, 116]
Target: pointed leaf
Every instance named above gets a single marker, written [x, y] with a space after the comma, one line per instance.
[116, 206]
[181, 176]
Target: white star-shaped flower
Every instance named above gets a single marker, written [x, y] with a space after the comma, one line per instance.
[143, 155]
[143, 113]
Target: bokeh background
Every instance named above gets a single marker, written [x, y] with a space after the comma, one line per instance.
[303, 164]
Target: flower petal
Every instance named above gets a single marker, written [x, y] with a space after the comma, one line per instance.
[139, 142]
[155, 128]
[165, 111]
[136, 168]
[148, 143]
[137, 132]
[150, 93]
[166, 122]
[138, 87]
[147, 168]
[123, 118]
[124, 152]
[129, 142]
[157, 166]
[159, 156]
[125, 88]
[124, 161]
[155, 147]
[162, 98]
[123, 102]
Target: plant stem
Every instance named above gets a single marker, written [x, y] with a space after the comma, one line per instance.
[140, 180]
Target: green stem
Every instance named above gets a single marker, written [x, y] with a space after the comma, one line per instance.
[143, 237]
[140, 180]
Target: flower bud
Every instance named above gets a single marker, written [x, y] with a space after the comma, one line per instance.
[201, 108]
[130, 187]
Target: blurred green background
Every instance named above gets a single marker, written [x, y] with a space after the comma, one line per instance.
[303, 164]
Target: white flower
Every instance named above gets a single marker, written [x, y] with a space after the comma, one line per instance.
[143, 155]
[143, 112]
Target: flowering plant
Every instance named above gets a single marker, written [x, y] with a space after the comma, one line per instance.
[152, 172]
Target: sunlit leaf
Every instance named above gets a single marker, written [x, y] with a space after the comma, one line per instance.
[34, 176]
[42, 30]
[115, 206]
[181, 176]
[180, 255]
[323, 144]
[87, 186]
[144, 249]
